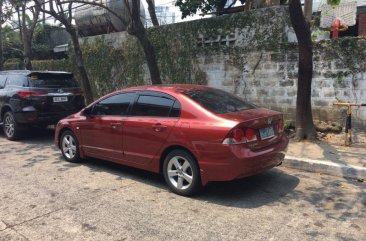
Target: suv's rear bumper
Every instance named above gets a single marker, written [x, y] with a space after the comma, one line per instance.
[34, 117]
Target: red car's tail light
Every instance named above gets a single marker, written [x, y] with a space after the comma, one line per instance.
[250, 135]
[239, 136]
[26, 94]
[280, 127]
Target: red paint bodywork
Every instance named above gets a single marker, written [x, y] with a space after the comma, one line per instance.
[133, 141]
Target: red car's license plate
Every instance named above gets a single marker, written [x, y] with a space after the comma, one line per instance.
[266, 133]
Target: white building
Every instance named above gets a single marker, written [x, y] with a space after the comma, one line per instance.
[165, 14]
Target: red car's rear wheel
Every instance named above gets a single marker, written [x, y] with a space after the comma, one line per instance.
[181, 173]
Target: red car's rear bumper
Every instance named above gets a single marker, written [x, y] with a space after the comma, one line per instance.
[236, 161]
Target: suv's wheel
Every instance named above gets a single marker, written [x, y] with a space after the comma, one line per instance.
[69, 147]
[181, 173]
[10, 127]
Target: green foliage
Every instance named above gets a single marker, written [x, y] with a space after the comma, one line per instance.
[351, 53]
[42, 46]
[12, 46]
[288, 125]
[191, 7]
[56, 65]
[179, 46]
[178, 49]
[109, 68]
[41, 33]
[41, 51]
[333, 2]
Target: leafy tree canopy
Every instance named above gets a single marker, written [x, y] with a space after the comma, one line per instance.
[12, 46]
[190, 7]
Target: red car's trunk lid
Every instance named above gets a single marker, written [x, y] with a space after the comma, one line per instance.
[261, 120]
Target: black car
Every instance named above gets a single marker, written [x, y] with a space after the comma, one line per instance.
[39, 98]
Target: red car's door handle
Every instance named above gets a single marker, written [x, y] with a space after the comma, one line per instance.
[115, 125]
[158, 127]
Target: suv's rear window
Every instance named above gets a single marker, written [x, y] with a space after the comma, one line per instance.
[218, 101]
[52, 81]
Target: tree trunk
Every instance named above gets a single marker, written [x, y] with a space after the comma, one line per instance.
[26, 41]
[304, 120]
[151, 8]
[85, 83]
[20, 24]
[220, 6]
[138, 30]
[150, 57]
[308, 10]
[27, 52]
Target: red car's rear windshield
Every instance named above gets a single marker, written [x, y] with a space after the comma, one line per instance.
[218, 101]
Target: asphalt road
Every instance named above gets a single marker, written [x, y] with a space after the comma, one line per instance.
[43, 197]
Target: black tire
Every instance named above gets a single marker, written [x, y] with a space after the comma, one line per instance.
[187, 170]
[12, 129]
[69, 146]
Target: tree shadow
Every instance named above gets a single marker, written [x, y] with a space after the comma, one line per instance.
[330, 198]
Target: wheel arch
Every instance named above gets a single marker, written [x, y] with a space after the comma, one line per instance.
[61, 132]
[170, 149]
[4, 109]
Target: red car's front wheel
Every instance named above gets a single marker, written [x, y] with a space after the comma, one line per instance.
[69, 147]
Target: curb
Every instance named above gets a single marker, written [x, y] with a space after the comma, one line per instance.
[326, 167]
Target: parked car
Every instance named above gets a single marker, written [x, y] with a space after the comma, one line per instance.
[192, 134]
[36, 98]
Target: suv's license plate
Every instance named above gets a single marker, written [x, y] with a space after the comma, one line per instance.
[60, 99]
[266, 133]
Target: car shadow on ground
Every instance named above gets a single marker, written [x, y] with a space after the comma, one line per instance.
[248, 192]
[34, 135]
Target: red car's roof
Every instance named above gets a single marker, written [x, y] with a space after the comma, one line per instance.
[169, 87]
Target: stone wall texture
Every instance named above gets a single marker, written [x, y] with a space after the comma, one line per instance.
[269, 79]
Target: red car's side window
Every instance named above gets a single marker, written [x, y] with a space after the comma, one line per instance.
[116, 105]
[158, 106]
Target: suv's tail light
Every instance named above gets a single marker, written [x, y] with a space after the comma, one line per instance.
[26, 94]
[239, 136]
[78, 92]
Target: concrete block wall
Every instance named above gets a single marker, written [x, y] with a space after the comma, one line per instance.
[269, 79]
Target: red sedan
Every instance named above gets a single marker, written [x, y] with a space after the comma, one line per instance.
[192, 134]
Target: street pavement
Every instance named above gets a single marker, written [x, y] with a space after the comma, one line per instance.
[329, 156]
[43, 197]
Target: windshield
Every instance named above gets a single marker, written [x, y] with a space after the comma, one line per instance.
[52, 81]
[218, 101]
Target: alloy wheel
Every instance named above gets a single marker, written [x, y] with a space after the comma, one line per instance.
[69, 146]
[180, 172]
[9, 126]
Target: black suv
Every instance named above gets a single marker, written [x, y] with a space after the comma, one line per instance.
[36, 98]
